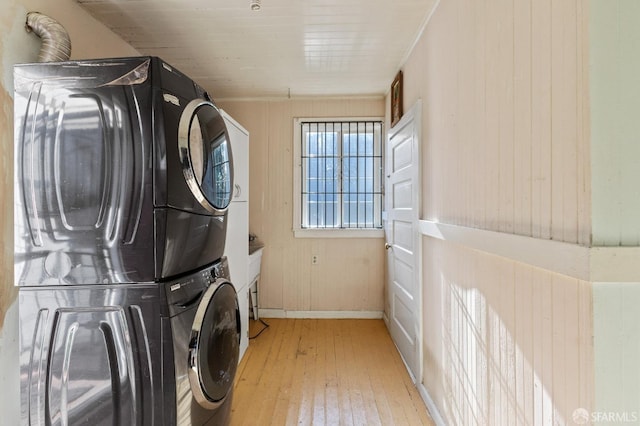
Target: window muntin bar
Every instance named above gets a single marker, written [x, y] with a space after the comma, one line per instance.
[341, 174]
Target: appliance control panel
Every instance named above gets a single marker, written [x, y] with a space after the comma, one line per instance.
[185, 292]
[221, 269]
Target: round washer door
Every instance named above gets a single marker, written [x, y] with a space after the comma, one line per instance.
[205, 155]
[214, 345]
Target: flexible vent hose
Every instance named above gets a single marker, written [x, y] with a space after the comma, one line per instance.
[56, 45]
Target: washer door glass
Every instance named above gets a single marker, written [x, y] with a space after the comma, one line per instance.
[205, 154]
[214, 345]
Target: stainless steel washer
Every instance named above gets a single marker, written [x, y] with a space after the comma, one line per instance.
[130, 354]
[205, 325]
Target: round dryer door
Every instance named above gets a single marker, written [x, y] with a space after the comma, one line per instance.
[205, 155]
[214, 345]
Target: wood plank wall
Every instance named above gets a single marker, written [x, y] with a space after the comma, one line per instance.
[506, 119]
[506, 148]
[504, 343]
[8, 292]
[349, 275]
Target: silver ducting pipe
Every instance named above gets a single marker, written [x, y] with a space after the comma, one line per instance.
[56, 45]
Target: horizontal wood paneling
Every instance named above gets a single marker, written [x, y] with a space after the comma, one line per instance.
[505, 122]
[349, 275]
[320, 48]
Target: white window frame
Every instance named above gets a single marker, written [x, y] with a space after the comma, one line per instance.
[298, 230]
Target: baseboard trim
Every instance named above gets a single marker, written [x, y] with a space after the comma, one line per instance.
[431, 406]
[282, 313]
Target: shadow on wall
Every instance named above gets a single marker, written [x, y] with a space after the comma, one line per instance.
[513, 341]
[8, 292]
[9, 375]
[10, 30]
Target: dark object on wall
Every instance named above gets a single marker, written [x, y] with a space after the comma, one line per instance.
[396, 99]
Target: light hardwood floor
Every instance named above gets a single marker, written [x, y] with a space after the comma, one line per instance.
[324, 372]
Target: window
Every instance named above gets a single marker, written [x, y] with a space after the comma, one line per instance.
[338, 177]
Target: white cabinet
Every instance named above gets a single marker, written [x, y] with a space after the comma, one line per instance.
[237, 241]
[243, 304]
[240, 151]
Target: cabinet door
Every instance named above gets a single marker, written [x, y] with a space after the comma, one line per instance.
[237, 243]
[236, 250]
[243, 304]
[239, 138]
[237, 240]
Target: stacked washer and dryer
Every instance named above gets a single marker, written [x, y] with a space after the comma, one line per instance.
[123, 176]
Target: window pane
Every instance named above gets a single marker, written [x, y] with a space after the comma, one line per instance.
[341, 174]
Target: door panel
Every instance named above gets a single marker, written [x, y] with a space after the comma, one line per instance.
[401, 155]
[403, 318]
[402, 195]
[403, 276]
[403, 239]
[402, 235]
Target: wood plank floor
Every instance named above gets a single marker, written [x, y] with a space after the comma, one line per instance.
[324, 372]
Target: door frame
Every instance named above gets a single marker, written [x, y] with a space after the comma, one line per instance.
[413, 117]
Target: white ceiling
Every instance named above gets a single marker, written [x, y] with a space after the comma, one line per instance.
[288, 48]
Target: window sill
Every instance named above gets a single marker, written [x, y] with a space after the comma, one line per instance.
[338, 233]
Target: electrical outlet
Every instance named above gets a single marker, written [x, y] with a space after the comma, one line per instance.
[314, 259]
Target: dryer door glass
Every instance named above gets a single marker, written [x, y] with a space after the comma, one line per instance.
[217, 331]
[206, 155]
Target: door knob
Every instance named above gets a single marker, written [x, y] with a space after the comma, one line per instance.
[387, 246]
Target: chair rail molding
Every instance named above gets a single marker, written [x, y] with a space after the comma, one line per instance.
[595, 264]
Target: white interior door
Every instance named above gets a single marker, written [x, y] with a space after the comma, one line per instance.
[402, 200]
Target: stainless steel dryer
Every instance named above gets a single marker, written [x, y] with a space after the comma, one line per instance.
[123, 173]
[130, 354]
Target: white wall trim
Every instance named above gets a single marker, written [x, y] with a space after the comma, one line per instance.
[282, 313]
[421, 31]
[615, 264]
[338, 233]
[431, 406]
[293, 97]
[596, 264]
